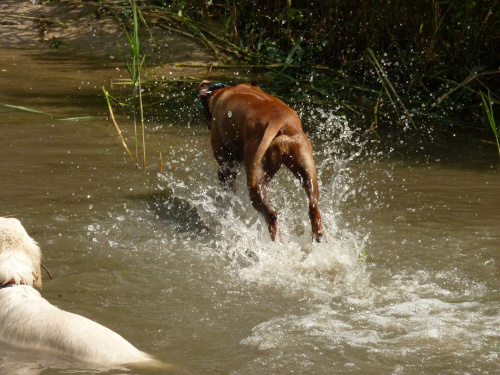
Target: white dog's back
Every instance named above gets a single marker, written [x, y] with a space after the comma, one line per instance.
[30, 321]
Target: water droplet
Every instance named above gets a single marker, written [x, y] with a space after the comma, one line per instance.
[229, 114]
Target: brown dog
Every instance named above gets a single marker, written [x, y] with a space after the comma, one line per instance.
[250, 126]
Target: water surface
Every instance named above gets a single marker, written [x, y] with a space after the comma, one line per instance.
[187, 272]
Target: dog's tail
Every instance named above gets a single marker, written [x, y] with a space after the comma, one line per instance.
[269, 135]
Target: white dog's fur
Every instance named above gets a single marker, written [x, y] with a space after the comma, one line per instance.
[30, 321]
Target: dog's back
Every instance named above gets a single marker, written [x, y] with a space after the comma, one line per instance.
[247, 109]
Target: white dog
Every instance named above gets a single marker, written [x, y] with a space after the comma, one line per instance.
[29, 321]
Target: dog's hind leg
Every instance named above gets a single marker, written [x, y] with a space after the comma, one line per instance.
[299, 160]
[259, 201]
[257, 188]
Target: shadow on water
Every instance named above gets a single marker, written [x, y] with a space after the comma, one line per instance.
[179, 214]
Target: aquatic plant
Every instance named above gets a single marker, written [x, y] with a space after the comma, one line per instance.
[388, 87]
[363, 256]
[135, 65]
[134, 68]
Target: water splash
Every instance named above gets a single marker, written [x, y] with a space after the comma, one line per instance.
[239, 235]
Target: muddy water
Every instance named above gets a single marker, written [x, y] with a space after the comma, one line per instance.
[187, 273]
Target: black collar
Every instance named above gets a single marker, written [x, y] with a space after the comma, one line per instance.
[214, 87]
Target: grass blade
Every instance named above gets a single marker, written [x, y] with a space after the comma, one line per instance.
[111, 114]
[389, 84]
[294, 49]
[488, 107]
[26, 109]
[78, 118]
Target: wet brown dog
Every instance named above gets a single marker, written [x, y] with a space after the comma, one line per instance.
[250, 126]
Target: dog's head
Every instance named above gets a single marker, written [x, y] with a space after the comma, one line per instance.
[205, 93]
[206, 89]
[20, 256]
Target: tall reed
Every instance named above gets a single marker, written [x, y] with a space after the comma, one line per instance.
[134, 67]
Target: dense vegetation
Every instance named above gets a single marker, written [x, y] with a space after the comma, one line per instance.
[409, 62]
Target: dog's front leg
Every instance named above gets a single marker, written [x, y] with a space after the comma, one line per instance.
[227, 173]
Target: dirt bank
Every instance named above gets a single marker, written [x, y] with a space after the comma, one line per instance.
[76, 27]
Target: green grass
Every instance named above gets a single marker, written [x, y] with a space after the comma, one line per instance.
[488, 107]
[26, 109]
[134, 67]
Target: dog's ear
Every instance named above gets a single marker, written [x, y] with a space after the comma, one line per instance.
[38, 280]
[204, 87]
[36, 257]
